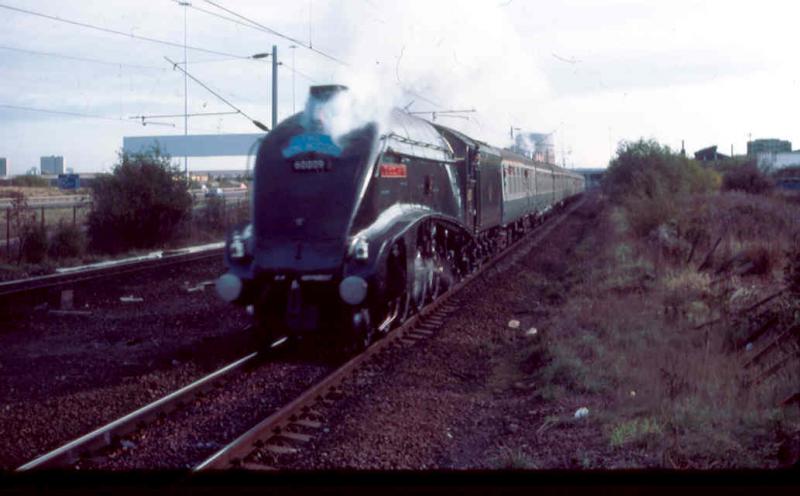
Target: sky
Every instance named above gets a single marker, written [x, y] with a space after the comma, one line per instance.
[592, 73]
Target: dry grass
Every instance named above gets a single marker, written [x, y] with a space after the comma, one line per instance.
[630, 333]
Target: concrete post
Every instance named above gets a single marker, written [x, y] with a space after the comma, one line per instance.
[274, 86]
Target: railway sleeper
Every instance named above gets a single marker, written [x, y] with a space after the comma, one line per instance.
[311, 424]
[280, 450]
[295, 436]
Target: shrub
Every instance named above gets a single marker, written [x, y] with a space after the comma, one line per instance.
[214, 213]
[646, 177]
[747, 178]
[139, 205]
[68, 241]
[33, 243]
[646, 169]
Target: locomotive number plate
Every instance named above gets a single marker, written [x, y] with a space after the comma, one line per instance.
[318, 165]
[393, 170]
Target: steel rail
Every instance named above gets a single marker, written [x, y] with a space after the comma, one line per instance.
[80, 275]
[104, 436]
[301, 408]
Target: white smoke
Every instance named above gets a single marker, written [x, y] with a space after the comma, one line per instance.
[442, 55]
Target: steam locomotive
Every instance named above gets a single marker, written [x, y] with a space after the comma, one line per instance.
[352, 233]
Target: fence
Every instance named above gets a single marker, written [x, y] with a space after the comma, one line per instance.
[211, 216]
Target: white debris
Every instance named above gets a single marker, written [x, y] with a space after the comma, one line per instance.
[749, 347]
[633, 393]
[513, 323]
[250, 310]
[532, 332]
[581, 412]
[127, 444]
[131, 299]
[449, 435]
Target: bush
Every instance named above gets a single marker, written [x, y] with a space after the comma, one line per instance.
[68, 241]
[747, 178]
[33, 243]
[645, 169]
[214, 213]
[139, 205]
[646, 178]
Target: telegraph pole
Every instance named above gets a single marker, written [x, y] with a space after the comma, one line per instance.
[274, 86]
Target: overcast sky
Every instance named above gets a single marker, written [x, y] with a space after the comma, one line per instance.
[594, 72]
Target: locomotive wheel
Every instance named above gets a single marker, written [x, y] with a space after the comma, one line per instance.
[422, 282]
[438, 283]
[397, 305]
[361, 332]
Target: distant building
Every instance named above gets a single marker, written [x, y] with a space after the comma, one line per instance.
[3, 167]
[52, 166]
[709, 154]
[768, 146]
[773, 161]
[592, 176]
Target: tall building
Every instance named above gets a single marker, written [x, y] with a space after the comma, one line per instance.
[758, 146]
[3, 167]
[52, 165]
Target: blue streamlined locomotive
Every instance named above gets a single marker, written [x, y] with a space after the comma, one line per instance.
[352, 233]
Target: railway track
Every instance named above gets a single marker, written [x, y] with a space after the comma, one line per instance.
[289, 427]
[104, 436]
[159, 260]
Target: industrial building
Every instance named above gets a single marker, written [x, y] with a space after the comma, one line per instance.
[3, 167]
[51, 166]
[774, 161]
[758, 146]
[535, 146]
[709, 154]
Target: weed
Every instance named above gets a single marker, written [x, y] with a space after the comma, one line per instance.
[514, 459]
[634, 431]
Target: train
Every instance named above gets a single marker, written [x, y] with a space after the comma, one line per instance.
[352, 233]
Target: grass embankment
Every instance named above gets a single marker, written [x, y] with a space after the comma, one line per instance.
[654, 329]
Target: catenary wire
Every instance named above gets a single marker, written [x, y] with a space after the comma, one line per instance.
[82, 59]
[119, 33]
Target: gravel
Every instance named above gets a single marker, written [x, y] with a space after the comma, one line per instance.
[189, 436]
[64, 375]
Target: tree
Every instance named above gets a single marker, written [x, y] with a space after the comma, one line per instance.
[139, 205]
